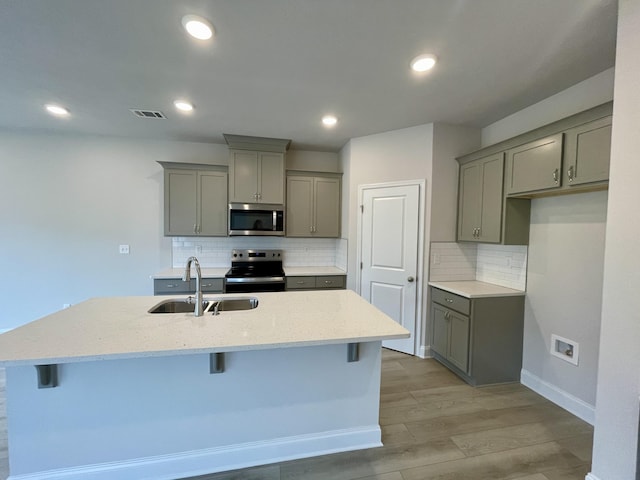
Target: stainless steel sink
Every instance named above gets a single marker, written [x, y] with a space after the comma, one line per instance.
[215, 306]
[233, 304]
[176, 306]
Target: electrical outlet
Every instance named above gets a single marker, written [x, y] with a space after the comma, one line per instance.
[198, 249]
[124, 249]
[66, 305]
[436, 258]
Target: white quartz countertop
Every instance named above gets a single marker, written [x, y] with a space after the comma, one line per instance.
[220, 272]
[476, 289]
[120, 327]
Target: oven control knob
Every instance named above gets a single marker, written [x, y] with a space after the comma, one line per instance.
[235, 254]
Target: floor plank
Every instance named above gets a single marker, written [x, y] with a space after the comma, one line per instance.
[436, 427]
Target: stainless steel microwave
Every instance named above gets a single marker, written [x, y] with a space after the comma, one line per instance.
[256, 219]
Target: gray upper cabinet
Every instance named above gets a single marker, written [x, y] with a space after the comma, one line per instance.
[313, 206]
[534, 166]
[195, 201]
[480, 200]
[256, 177]
[587, 153]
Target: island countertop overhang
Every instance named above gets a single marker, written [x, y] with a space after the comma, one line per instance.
[121, 327]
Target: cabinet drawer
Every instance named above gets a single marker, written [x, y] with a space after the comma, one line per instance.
[451, 300]
[332, 281]
[212, 285]
[293, 283]
[170, 286]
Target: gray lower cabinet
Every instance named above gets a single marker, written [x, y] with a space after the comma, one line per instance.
[479, 339]
[313, 206]
[315, 282]
[195, 201]
[175, 286]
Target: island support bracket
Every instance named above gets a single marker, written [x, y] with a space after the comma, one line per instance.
[47, 376]
[353, 352]
[216, 362]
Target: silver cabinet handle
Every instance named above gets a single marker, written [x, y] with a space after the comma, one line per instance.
[410, 279]
[447, 315]
[195, 228]
[570, 173]
[555, 175]
[300, 282]
[171, 285]
[448, 300]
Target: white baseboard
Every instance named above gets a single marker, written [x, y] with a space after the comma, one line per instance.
[558, 396]
[424, 351]
[591, 476]
[202, 462]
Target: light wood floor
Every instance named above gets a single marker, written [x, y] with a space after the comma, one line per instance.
[434, 426]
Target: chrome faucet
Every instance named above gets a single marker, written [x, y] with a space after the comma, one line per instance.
[199, 310]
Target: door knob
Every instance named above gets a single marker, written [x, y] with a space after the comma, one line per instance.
[410, 279]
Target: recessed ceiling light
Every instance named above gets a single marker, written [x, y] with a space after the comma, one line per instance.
[197, 27]
[56, 110]
[422, 63]
[183, 106]
[329, 120]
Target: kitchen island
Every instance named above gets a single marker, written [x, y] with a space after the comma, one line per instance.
[137, 395]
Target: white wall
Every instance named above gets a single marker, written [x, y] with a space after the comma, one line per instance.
[562, 228]
[616, 429]
[67, 202]
[564, 285]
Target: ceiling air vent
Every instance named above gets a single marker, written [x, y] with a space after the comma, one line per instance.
[147, 113]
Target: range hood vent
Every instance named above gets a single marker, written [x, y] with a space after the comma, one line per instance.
[138, 112]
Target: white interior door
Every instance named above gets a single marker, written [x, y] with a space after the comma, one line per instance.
[389, 255]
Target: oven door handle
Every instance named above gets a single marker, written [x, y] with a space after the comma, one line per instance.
[255, 280]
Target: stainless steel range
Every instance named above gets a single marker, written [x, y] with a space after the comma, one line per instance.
[255, 271]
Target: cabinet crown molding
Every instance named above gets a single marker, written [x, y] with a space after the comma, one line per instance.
[261, 144]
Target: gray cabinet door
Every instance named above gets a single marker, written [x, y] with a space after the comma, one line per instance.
[458, 341]
[468, 203]
[491, 199]
[243, 176]
[299, 206]
[327, 207]
[180, 197]
[313, 206]
[212, 204]
[534, 166]
[587, 153]
[440, 340]
[271, 178]
[480, 200]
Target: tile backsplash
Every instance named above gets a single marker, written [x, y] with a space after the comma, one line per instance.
[504, 265]
[216, 251]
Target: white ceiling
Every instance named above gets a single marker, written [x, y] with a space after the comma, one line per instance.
[276, 66]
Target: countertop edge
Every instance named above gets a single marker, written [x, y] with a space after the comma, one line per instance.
[492, 290]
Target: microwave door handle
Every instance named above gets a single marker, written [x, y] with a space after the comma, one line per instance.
[275, 220]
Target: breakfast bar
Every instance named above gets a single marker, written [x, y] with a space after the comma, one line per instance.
[106, 390]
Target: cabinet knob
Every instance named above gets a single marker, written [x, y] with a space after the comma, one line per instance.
[449, 300]
[570, 173]
[555, 175]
